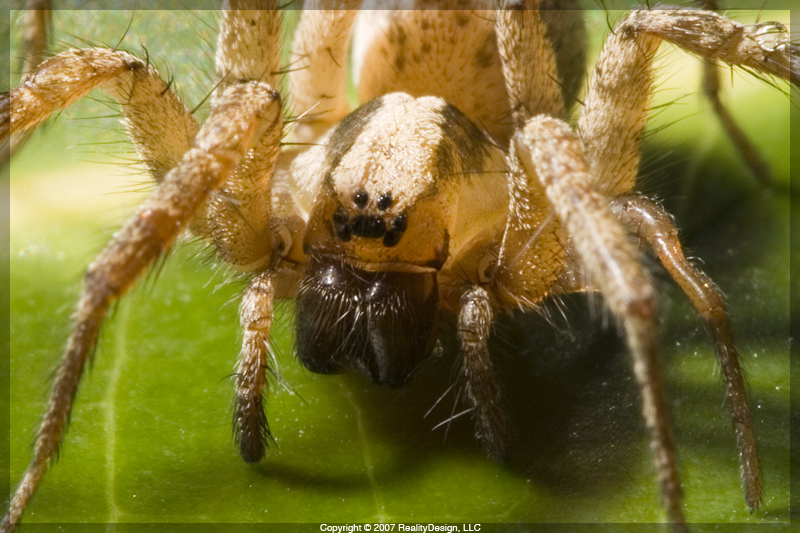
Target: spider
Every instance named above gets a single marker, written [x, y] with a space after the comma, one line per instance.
[466, 272]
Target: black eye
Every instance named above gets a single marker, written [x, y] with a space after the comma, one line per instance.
[340, 225]
[343, 233]
[369, 227]
[340, 217]
[384, 202]
[391, 238]
[399, 223]
[361, 198]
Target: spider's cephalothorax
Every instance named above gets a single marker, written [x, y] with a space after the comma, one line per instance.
[400, 177]
[457, 187]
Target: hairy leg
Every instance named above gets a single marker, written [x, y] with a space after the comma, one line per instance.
[548, 149]
[237, 219]
[642, 217]
[531, 253]
[528, 62]
[159, 125]
[475, 316]
[760, 47]
[250, 421]
[249, 43]
[319, 66]
[614, 115]
[615, 108]
[238, 118]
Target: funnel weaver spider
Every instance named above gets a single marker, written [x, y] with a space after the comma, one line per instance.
[350, 230]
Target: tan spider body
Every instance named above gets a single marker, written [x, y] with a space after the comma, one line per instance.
[456, 187]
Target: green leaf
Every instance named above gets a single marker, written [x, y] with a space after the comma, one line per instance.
[150, 436]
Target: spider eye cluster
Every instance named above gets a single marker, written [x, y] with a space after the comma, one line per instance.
[370, 226]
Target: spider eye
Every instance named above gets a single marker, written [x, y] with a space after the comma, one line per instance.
[340, 225]
[340, 217]
[385, 202]
[391, 238]
[360, 199]
[400, 223]
[368, 226]
[398, 227]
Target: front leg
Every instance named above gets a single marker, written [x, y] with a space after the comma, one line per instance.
[250, 425]
[237, 220]
[475, 316]
[548, 149]
[237, 119]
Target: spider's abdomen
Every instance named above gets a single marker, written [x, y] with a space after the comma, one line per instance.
[448, 53]
[381, 324]
[452, 52]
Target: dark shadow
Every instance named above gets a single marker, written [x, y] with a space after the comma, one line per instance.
[567, 389]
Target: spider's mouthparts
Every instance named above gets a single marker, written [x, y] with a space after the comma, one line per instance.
[382, 324]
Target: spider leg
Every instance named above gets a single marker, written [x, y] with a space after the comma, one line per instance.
[531, 254]
[527, 58]
[319, 66]
[238, 219]
[653, 225]
[475, 316]
[777, 60]
[34, 45]
[613, 118]
[712, 90]
[548, 149]
[528, 61]
[528, 244]
[249, 43]
[240, 116]
[250, 421]
[760, 47]
[149, 107]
